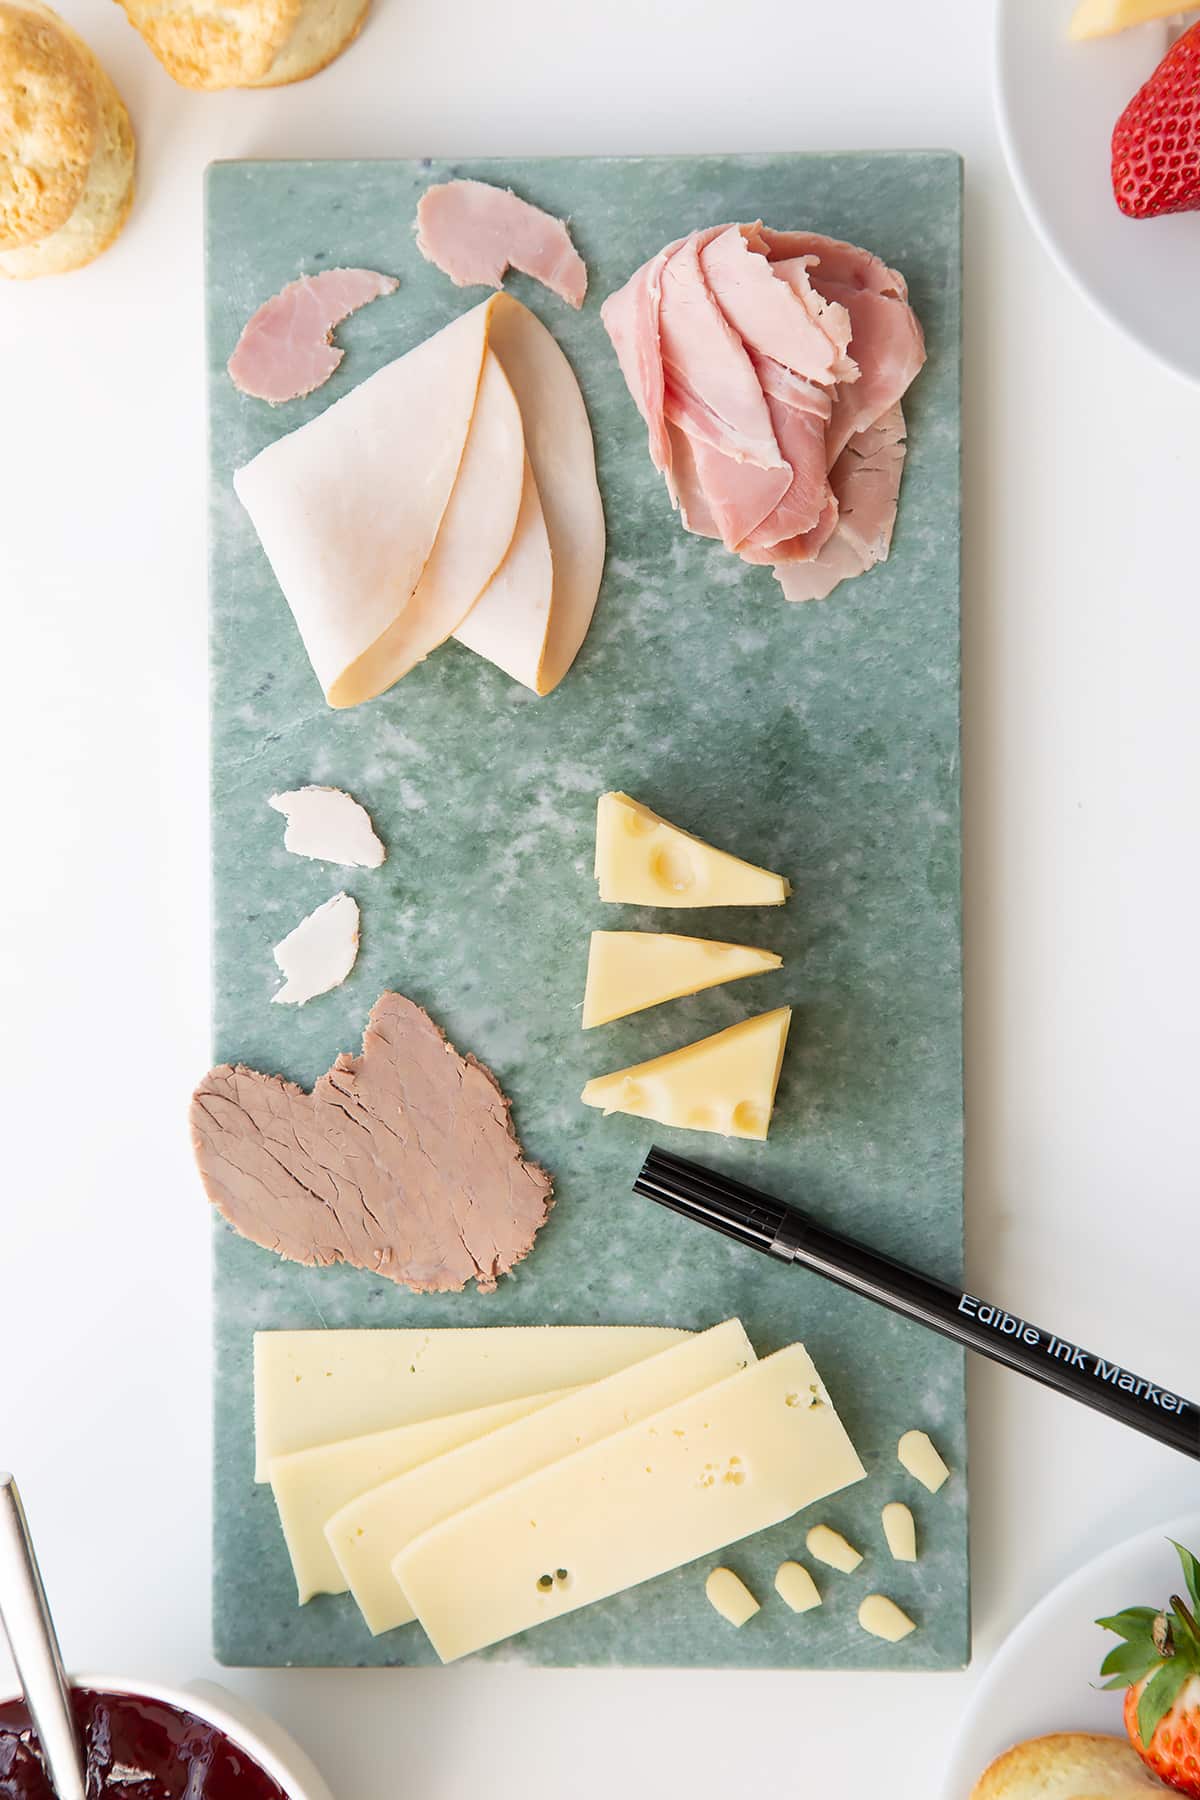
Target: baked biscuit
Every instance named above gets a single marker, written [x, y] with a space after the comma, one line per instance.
[246, 43]
[66, 147]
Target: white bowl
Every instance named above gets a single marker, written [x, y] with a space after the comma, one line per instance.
[266, 1742]
[1057, 103]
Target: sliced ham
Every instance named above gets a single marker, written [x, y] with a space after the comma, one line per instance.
[286, 349]
[474, 233]
[631, 319]
[769, 367]
[866, 483]
[786, 320]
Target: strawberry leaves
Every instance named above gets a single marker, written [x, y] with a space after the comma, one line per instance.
[1161, 1649]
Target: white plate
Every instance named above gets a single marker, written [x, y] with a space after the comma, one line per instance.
[1044, 1676]
[1057, 103]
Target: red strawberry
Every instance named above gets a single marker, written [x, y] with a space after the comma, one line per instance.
[1158, 1662]
[1156, 140]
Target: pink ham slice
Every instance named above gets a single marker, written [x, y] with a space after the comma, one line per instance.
[474, 233]
[769, 368]
[866, 482]
[783, 318]
[286, 349]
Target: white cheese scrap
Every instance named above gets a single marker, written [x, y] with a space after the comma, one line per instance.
[319, 953]
[796, 1587]
[922, 1461]
[829, 1546]
[329, 826]
[900, 1530]
[884, 1619]
[730, 1596]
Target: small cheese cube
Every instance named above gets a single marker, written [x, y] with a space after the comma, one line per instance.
[829, 1546]
[730, 1596]
[884, 1619]
[922, 1461]
[796, 1587]
[900, 1530]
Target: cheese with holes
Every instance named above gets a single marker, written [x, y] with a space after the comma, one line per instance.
[724, 1083]
[369, 1534]
[713, 1469]
[728, 1594]
[631, 970]
[1100, 18]
[318, 1387]
[311, 1485]
[643, 860]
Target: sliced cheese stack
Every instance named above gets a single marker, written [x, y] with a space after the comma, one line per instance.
[453, 492]
[499, 1513]
[725, 1083]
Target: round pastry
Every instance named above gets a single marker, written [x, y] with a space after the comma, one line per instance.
[246, 43]
[66, 147]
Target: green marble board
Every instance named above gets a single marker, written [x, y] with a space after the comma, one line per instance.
[821, 740]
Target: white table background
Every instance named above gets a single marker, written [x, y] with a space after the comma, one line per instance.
[1081, 764]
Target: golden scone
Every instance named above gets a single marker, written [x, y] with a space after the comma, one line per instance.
[1069, 1765]
[246, 43]
[66, 147]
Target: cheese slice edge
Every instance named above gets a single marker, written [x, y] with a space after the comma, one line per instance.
[317, 1387]
[368, 1534]
[311, 1485]
[629, 971]
[694, 1478]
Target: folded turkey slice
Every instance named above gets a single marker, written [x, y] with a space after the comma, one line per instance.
[386, 517]
[510, 622]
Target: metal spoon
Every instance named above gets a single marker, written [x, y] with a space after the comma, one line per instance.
[34, 1645]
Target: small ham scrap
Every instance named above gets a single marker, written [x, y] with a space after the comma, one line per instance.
[286, 348]
[475, 233]
[402, 1161]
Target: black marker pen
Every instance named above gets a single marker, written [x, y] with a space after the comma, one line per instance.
[767, 1224]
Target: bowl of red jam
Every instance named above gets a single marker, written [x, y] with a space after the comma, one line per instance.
[146, 1742]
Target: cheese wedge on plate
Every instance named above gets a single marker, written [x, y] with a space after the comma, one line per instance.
[371, 1531]
[631, 970]
[319, 1387]
[1100, 18]
[725, 1083]
[643, 860]
[701, 1474]
[311, 1485]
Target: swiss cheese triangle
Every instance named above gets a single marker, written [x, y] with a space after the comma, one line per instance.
[644, 860]
[631, 970]
[724, 1083]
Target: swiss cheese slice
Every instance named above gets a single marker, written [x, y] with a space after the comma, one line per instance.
[1100, 18]
[725, 1083]
[643, 860]
[510, 622]
[372, 1530]
[699, 1475]
[631, 970]
[558, 439]
[348, 507]
[318, 1387]
[311, 1485]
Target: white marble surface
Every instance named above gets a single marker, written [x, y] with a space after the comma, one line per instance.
[1082, 771]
